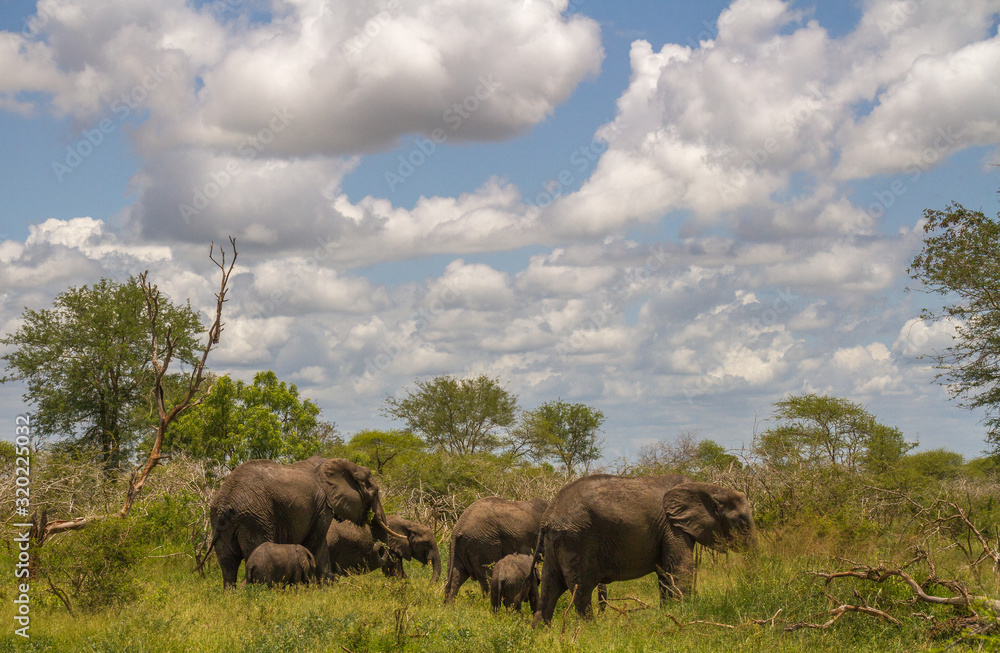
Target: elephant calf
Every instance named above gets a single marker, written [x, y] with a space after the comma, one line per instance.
[415, 542]
[513, 581]
[353, 549]
[280, 564]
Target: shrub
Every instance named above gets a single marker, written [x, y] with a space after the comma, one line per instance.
[95, 566]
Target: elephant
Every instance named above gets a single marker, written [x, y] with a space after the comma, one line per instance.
[513, 581]
[602, 528]
[265, 501]
[488, 530]
[281, 564]
[353, 549]
[418, 543]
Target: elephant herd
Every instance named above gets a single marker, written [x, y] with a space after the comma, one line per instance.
[319, 518]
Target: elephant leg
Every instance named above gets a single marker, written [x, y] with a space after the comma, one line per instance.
[602, 597]
[456, 578]
[553, 585]
[582, 599]
[676, 574]
[229, 563]
[484, 580]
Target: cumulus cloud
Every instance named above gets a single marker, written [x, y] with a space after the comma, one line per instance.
[355, 76]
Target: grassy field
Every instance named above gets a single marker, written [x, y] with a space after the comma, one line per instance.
[179, 611]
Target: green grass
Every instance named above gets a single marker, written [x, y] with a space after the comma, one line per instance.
[177, 610]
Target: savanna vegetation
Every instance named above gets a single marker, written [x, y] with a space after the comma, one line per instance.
[866, 543]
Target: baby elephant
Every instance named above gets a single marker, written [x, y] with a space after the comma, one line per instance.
[513, 581]
[281, 564]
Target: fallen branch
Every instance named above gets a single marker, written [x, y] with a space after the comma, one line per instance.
[841, 611]
[880, 574]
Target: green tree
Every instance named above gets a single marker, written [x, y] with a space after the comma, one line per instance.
[461, 416]
[87, 363]
[379, 448]
[816, 430]
[960, 260]
[566, 432]
[238, 421]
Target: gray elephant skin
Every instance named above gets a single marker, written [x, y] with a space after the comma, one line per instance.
[601, 529]
[513, 581]
[280, 564]
[488, 530]
[265, 501]
[414, 541]
[353, 550]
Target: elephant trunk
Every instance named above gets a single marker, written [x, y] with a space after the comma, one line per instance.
[435, 558]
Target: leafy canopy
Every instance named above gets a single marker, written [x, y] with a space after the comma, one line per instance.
[817, 430]
[463, 416]
[961, 260]
[238, 421]
[379, 448]
[568, 433]
[87, 364]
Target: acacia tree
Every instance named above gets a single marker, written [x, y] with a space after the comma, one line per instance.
[88, 365]
[960, 260]
[462, 416]
[379, 448]
[569, 433]
[816, 430]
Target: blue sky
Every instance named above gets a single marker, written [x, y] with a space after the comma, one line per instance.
[740, 189]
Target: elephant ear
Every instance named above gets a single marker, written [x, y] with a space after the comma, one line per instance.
[343, 494]
[693, 509]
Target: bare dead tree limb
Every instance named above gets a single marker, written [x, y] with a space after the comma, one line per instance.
[194, 395]
[162, 347]
[840, 611]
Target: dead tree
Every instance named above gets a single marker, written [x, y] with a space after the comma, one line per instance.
[162, 347]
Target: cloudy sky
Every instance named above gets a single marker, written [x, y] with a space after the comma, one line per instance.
[676, 212]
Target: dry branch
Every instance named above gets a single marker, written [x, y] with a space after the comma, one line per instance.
[841, 611]
[162, 346]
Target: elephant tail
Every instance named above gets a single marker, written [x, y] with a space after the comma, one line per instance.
[539, 546]
[221, 520]
[496, 592]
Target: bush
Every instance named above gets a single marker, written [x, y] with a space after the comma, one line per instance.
[95, 566]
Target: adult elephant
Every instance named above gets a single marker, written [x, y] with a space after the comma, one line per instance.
[601, 529]
[488, 530]
[414, 542]
[264, 501]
